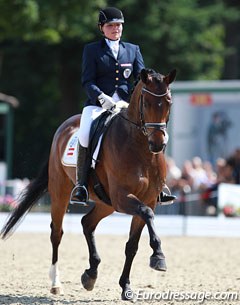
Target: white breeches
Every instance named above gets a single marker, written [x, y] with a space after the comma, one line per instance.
[88, 115]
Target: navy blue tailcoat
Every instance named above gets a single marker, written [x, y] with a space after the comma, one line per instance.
[101, 72]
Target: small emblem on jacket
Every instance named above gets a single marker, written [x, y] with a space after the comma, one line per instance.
[127, 73]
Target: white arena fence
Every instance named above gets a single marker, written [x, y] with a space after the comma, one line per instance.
[204, 203]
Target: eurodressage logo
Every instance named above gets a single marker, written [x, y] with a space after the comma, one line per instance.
[197, 296]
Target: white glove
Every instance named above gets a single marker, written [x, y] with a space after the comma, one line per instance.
[106, 101]
[122, 104]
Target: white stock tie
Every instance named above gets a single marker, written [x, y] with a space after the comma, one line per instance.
[114, 46]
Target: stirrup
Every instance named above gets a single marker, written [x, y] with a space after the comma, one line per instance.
[74, 199]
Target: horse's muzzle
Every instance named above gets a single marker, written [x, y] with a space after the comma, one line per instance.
[157, 145]
[156, 149]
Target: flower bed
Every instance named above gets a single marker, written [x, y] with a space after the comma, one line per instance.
[7, 203]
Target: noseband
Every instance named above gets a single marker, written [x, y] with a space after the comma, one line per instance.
[155, 126]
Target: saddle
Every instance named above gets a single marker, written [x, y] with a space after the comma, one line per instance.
[98, 130]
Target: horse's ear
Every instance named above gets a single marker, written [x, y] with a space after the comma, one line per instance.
[170, 77]
[144, 76]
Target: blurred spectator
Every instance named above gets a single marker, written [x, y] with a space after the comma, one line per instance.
[234, 162]
[197, 181]
[220, 170]
[217, 135]
[228, 171]
[186, 180]
[173, 174]
[200, 179]
[210, 173]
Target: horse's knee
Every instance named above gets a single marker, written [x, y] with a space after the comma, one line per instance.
[146, 212]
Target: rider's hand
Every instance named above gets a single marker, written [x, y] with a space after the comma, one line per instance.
[106, 101]
[122, 104]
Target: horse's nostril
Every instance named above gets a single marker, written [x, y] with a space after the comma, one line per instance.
[154, 148]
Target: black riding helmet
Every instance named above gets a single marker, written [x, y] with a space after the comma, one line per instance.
[110, 15]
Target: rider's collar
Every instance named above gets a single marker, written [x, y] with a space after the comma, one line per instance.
[112, 42]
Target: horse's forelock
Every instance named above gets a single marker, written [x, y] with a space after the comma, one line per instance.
[154, 76]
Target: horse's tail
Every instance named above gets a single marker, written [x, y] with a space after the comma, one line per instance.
[26, 201]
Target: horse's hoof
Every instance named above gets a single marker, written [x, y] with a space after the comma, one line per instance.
[56, 290]
[128, 295]
[158, 263]
[87, 281]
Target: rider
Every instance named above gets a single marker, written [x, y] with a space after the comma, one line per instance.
[107, 68]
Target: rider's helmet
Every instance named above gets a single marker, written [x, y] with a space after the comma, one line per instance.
[110, 15]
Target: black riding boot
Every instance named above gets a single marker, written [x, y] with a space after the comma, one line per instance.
[166, 198]
[79, 194]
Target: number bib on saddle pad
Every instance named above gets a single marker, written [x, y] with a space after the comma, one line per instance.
[70, 154]
[69, 157]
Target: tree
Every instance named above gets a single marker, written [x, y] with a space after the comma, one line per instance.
[179, 33]
[232, 40]
[41, 45]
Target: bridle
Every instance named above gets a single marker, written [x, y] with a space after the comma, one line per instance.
[144, 126]
[155, 126]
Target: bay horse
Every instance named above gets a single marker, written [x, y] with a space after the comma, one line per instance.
[131, 169]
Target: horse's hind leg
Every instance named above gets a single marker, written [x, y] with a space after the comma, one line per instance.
[89, 223]
[56, 236]
[130, 252]
[59, 204]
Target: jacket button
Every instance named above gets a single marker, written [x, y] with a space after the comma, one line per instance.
[117, 78]
[116, 86]
[117, 71]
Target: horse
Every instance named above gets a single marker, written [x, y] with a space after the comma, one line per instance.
[132, 171]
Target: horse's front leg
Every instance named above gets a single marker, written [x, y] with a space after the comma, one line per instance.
[89, 223]
[133, 206]
[130, 252]
[157, 260]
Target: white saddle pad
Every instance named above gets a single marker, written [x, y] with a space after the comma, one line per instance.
[69, 157]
